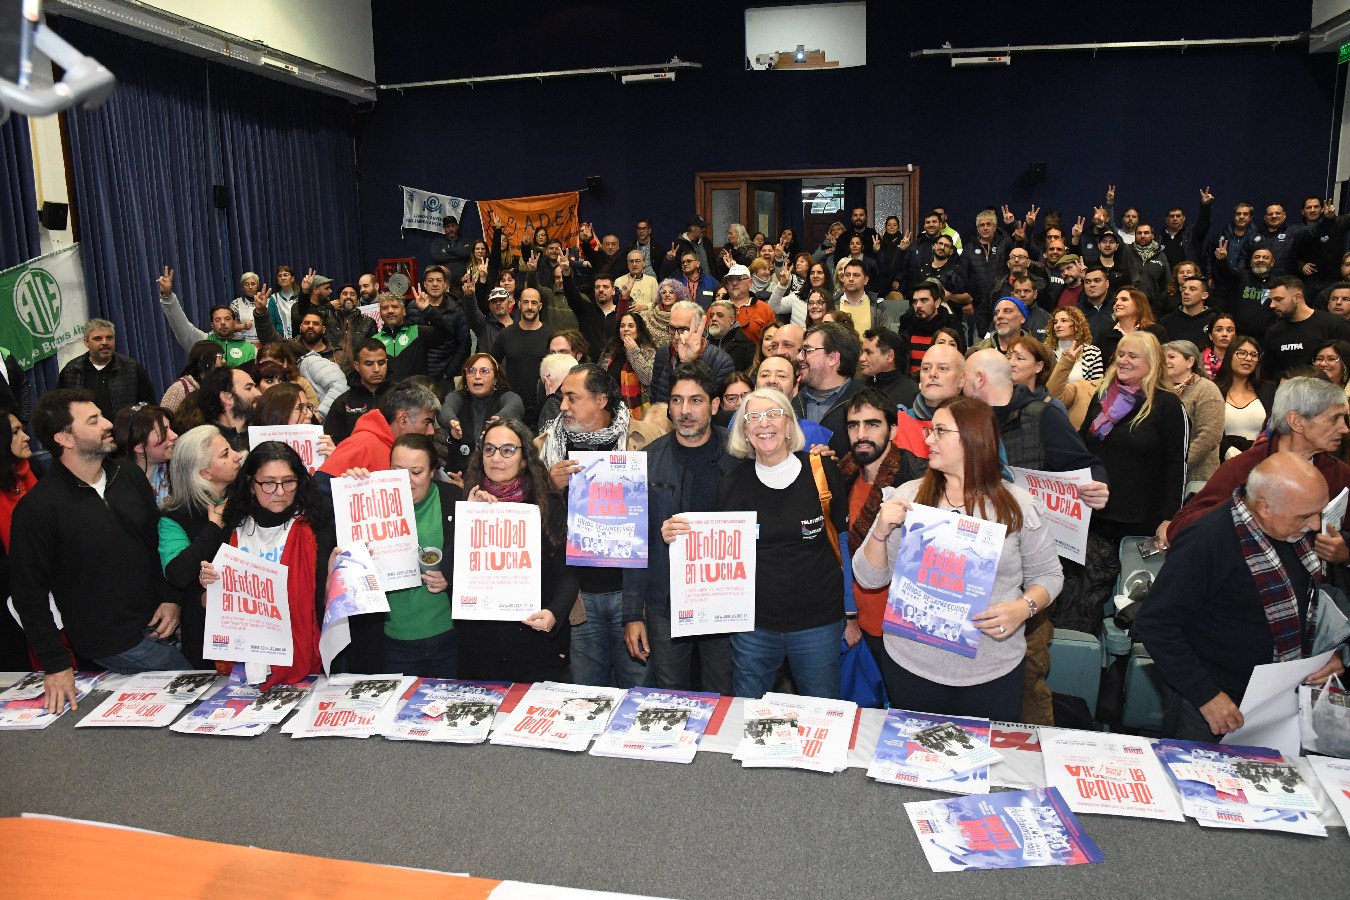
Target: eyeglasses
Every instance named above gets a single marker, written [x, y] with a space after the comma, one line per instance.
[271, 487]
[941, 431]
[773, 415]
[304, 407]
[505, 450]
[481, 370]
[674, 329]
[807, 351]
[1327, 359]
[734, 398]
[1246, 354]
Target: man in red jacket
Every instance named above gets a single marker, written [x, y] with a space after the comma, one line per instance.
[408, 408]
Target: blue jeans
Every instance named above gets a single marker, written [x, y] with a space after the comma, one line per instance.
[149, 655]
[812, 655]
[599, 655]
[433, 657]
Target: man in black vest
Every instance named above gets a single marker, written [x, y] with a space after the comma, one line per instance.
[117, 381]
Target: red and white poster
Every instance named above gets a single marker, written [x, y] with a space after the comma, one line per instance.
[712, 575]
[248, 618]
[378, 511]
[303, 439]
[1068, 515]
[498, 561]
[1113, 774]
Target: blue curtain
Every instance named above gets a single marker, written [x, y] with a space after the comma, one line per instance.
[18, 195]
[145, 164]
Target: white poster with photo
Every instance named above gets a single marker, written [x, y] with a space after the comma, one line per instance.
[712, 575]
[303, 439]
[1065, 510]
[379, 512]
[498, 561]
[248, 618]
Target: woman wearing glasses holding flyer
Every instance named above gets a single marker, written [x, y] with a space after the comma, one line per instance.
[965, 476]
[506, 468]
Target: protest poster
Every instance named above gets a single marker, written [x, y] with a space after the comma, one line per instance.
[607, 510]
[712, 575]
[303, 439]
[1113, 774]
[901, 759]
[1067, 514]
[944, 574]
[449, 711]
[248, 618]
[498, 561]
[555, 213]
[378, 510]
[1232, 786]
[353, 589]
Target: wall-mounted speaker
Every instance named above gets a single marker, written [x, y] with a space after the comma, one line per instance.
[593, 184]
[220, 195]
[54, 216]
[1037, 173]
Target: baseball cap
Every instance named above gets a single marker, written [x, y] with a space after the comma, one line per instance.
[498, 293]
[448, 219]
[697, 220]
[738, 271]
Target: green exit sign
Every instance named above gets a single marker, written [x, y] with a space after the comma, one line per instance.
[1344, 55]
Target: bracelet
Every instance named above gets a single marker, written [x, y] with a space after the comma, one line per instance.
[882, 539]
[1031, 605]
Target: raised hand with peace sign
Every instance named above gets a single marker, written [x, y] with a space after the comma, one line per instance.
[165, 282]
[1221, 251]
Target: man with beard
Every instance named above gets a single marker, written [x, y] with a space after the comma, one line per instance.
[859, 229]
[368, 290]
[872, 463]
[1019, 264]
[226, 402]
[1152, 272]
[451, 249]
[827, 360]
[87, 537]
[1120, 267]
[920, 323]
[370, 371]
[1092, 304]
[408, 345]
[1010, 317]
[436, 308]
[945, 269]
[1245, 294]
[224, 325]
[683, 471]
[725, 333]
[117, 381]
[1070, 267]
[345, 326]
[1293, 339]
[941, 377]
[753, 314]
[594, 418]
[882, 352]
[312, 333]
[520, 348]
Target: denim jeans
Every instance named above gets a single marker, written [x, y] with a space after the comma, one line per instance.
[433, 657]
[599, 655]
[148, 656]
[812, 655]
[672, 658]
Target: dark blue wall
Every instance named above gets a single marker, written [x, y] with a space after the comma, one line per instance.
[1252, 123]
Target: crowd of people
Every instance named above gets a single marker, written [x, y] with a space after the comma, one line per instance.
[827, 388]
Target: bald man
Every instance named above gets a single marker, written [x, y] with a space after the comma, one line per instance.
[1238, 590]
[942, 374]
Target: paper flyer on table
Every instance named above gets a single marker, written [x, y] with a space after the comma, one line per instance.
[823, 729]
[900, 759]
[177, 687]
[353, 589]
[1012, 830]
[248, 618]
[1270, 705]
[1067, 514]
[459, 712]
[558, 716]
[1112, 774]
[303, 439]
[944, 574]
[378, 511]
[23, 705]
[239, 709]
[712, 574]
[1215, 794]
[607, 510]
[498, 561]
[134, 709]
[1334, 774]
[349, 706]
[656, 724]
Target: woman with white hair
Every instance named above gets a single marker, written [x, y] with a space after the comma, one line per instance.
[242, 306]
[799, 583]
[1204, 406]
[192, 526]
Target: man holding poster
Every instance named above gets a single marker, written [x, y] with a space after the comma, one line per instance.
[683, 469]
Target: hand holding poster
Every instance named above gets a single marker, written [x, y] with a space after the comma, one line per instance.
[379, 511]
[248, 618]
[1067, 514]
[944, 574]
[607, 510]
[303, 439]
[712, 575]
[353, 589]
[498, 561]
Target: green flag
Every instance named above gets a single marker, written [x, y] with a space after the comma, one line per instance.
[42, 306]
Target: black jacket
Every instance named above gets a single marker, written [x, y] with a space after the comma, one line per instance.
[122, 383]
[836, 418]
[737, 346]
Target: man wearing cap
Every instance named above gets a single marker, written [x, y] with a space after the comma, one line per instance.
[1120, 267]
[451, 249]
[693, 240]
[1010, 315]
[752, 314]
[1071, 272]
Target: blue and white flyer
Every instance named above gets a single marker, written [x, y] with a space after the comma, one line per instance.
[944, 575]
[607, 510]
[448, 711]
[1233, 786]
[900, 758]
[651, 723]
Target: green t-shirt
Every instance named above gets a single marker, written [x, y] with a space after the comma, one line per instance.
[236, 352]
[417, 613]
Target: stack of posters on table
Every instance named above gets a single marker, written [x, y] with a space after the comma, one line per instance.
[558, 716]
[1011, 830]
[150, 699]
[787, 731]
[240, 709]
[939, 753]
[447, 711]
[1112, 774]
[655, 724]
[355, 706]
[1234, 786]
[23, 705]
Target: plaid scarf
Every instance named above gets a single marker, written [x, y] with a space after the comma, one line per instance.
[1274, 587]
[862, 523]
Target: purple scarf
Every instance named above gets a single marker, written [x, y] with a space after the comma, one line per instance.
[1118, 402]
[511, 492]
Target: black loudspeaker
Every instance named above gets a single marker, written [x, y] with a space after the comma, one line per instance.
[220, 195]
[593, 184]
[1037, 173]
[54, 216]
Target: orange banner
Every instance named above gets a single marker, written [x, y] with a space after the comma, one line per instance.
[555, 213]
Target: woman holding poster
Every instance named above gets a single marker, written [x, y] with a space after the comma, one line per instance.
[964, 476]
[799, 584]
[274, 511]
[506, 468]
